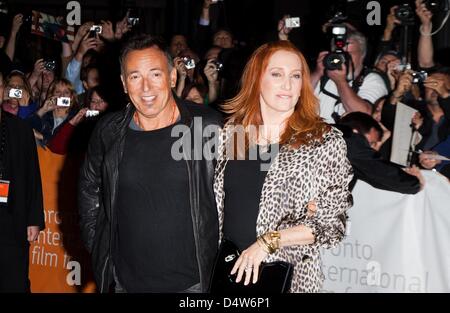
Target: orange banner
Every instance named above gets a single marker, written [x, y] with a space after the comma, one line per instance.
[58, 260]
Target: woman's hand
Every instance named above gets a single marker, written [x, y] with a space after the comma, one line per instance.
[49, 105]
[248, 263]
[74, 121]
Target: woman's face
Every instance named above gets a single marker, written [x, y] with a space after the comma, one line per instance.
[194, 96]
[11, 105]
[97, 103]
[281, 84]
[62, 90]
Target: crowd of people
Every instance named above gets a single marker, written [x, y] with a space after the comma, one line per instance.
[115, 98]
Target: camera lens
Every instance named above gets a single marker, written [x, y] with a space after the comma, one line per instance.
[333, 61]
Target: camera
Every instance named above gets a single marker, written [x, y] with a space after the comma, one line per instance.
[437, 5]
[63, 102]
[188, 62]
[337, 56]
[15, 93]
[405, 14]
[133, 21]
[402, 67]
[219, 65]
[3, 7]
[94, 30]
[292, 22]
[92, 113]
[50, 65]
[419, 77]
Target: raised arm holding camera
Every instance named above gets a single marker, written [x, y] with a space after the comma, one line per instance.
[342, 83]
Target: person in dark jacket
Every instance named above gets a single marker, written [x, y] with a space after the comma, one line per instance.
[147, 208]
[361, 133]
[21, 207]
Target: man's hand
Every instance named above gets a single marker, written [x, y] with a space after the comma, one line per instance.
[320, 68]
[417, 120]
[86, 44]
[338, 76]
[283, 31]
[427, 161]
[16, 23]
[181, 68]
[211, 72]
[437, 85]
[415, 171]
[84, 29]
[122, 27]
[32, 233]
[38, 68]
[423, 13]
[404, 84]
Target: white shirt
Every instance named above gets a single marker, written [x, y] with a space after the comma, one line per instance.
[372, 89]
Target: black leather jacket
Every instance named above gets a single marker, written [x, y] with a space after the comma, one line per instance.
[99, 182]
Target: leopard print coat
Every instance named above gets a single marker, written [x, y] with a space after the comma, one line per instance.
[320, 172]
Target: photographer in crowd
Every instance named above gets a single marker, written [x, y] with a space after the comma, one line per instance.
[17, 95]
[341, 82]
[361, 134]
[56, 111]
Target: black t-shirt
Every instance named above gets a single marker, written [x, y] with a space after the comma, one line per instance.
[243, 182]
[155, 248]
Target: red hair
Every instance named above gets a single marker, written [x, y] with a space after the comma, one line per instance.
[303, 126]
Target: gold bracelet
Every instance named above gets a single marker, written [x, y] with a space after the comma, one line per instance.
[275, 238]
[262, 244]
[271, 241]
[267, 244]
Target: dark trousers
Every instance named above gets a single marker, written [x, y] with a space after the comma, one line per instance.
[14, 268]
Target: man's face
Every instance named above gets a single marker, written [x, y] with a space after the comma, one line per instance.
[212, 53]
[92, 79]
[147, 80]
[177, 45]
[373, 137]
[431, 96]
[387, 59]
[223, 39]
[47, 79]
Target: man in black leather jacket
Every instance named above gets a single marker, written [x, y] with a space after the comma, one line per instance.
[147, 210]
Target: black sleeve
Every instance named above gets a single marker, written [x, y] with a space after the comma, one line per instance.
[89, 186]
[369, 167]
[34, 188]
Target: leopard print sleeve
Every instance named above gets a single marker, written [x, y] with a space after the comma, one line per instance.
[332, 195]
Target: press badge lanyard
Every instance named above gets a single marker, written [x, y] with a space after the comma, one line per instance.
[4, 184]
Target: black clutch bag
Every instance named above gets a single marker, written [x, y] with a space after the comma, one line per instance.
[274, 277]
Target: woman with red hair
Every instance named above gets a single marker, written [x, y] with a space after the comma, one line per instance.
[282, 176]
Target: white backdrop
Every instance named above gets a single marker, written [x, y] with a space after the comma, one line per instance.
[395, 242]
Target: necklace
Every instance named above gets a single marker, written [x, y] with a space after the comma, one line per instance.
[136, 118]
